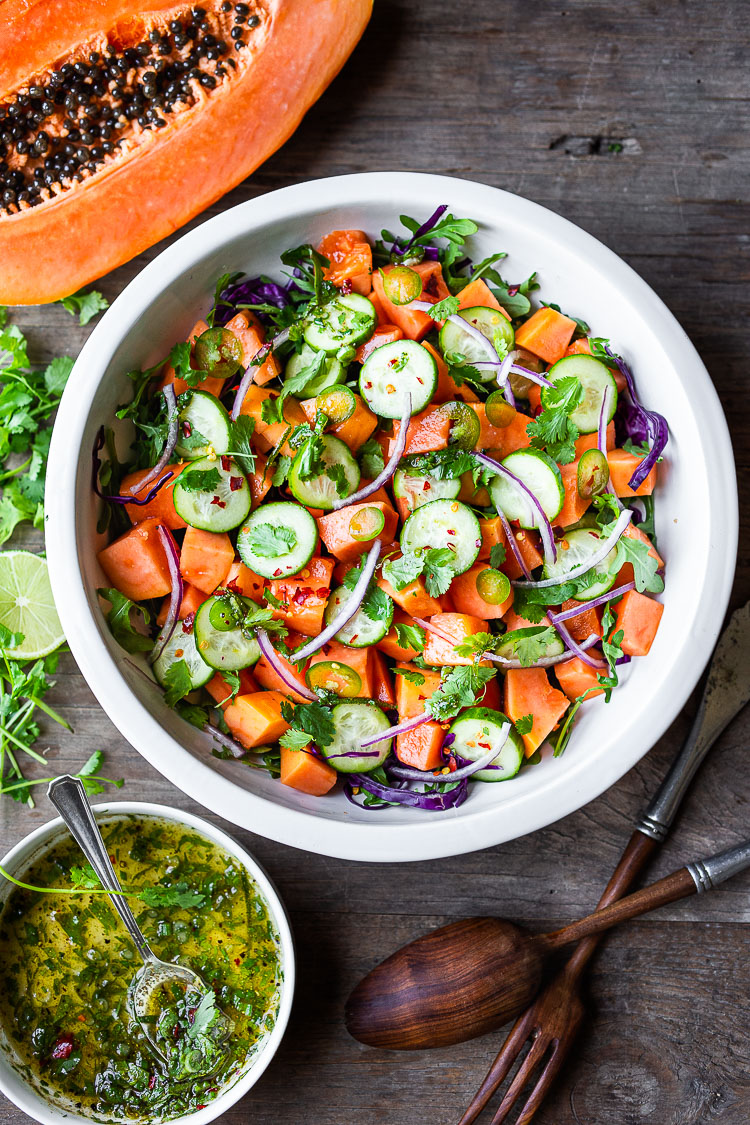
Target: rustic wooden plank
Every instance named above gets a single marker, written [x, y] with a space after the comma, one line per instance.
[531, 100]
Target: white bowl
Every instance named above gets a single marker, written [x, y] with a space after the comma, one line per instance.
[18, 1088]
[696, 508]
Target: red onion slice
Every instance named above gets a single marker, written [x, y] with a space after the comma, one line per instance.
[172, 414]
[175, 597]
[601, 438]
[251, 368]
[457, 775]
[515, 549]
[577, 649]
[237, 750]
[383, 477]
[543, 525]
[534, 376]
[400, 728]
[425, 624]
[544, 661]
[583, 606]
[583, 568]
[348, 610]
[472, 330]
[273, 658]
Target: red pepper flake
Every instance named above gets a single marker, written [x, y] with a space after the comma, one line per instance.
[393, 362]
[187, 624]
[187, 429]
[451, 531]
[277, 572]
[368, 386]
[235, 483]
[219, 502]
[346, 286]
[233, 586]
[225, 463]
[302, 594]
[237, 961]
[351, 642]
[452, 765]
[81, 1019]
[63, 1048]
[152, 1082]
[420, 379]
[426, 486]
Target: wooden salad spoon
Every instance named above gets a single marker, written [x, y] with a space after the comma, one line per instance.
[472, 976]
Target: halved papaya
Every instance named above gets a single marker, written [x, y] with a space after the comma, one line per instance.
[109, 109]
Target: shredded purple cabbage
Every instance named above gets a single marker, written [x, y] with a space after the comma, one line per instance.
[254, 291]
[430, 252]
[406, 794]
[638, 423]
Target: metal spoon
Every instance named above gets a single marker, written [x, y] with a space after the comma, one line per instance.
[68, 796]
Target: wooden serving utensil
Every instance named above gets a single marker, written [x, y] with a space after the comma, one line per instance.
[472, 976]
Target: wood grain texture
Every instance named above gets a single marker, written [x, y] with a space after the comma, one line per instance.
[534, 99]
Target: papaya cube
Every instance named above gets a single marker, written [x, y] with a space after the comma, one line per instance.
[336, 528]
[136, 565]
[457, 626]
[304, 596]
[638, 616]
[205, 558]
[255, 719]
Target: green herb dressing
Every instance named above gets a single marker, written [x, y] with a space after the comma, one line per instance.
[66, 963]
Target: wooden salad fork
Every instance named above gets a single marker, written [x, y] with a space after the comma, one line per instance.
[550, 1025]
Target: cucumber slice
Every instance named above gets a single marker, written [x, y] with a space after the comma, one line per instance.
[320, 491]
[595, 377]
[581, 545]
[182, 646]
[444, 523]
[331, 373]
[354, 722]
[278, 539]
[420, 489]
[395, 370]
[361, 631]
[491, 323]
[203, 427]
[510, 642]
[476, 731]
[220, 641]
[343, 323]
[541, 475]
[221, 506]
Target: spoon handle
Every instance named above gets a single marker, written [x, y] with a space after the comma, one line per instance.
[703, 875]
[68, 796]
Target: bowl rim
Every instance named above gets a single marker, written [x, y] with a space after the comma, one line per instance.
[30, 1100]
[424, 838]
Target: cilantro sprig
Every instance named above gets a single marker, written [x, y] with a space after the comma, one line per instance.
[553, 430]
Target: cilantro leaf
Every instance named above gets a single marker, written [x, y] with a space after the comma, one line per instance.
[402, 571]
[177, 682]
[642, 449]
[85, 305]
[439, 571]
[477, 644]
[607, 510]
[269, 541]
[458, 689]
[410, 636]
[530, 645]
[409, 675]
[376, 604]
[180, 358]
[337, 474]
[497, 555]
[310, 449]
[198, 716]
[200, 480]
[281, 472]
[445, 308]
[205, 1014]
[645, 566]
[179, 894]
[240, 444]
[370, 457]
[552, 429]
[611, 647]
[524, 724]
[311, 719]
[84, 877]
[121, 624]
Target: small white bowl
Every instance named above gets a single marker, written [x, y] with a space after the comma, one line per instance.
[696, 508]
[17, 861]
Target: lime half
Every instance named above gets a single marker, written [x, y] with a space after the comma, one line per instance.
[26, 604]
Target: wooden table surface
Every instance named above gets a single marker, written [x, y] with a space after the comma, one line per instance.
[627, 119]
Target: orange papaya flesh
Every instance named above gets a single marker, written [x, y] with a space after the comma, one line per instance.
[304, 596]
[355, 430]
[268, 677]
[162, 506]
[546, 334]
[411, 697]
[638, 616]
[216, 131]
[422, 747]
[350, 257]
[413, 323]
[389, 644]
[358, 659]
[255, 719]
[458, 626]
[338, 530]
[136, 565]
[205, 558]
[529, 692]
[302, 770]
[192, 600]
[468, 600]
[252, 336]
[384, 693]
[575, 678]
[211, 385]
[622, 465]
[221, 691]
[479, 293]
[427, 431]
[574, 505]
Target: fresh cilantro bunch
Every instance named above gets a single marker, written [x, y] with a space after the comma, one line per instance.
[85, 305]
[28, 400]
[459, 688]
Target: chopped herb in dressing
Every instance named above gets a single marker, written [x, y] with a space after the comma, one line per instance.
[66, 963]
